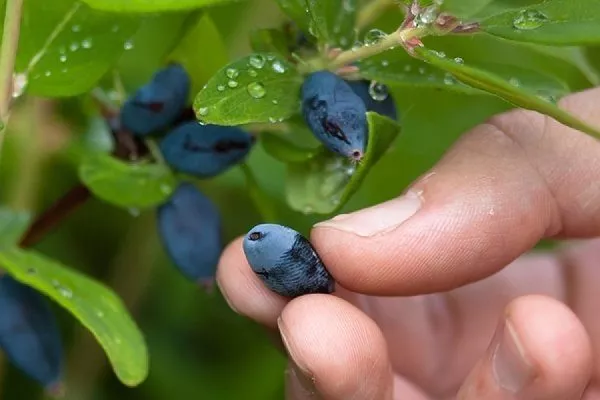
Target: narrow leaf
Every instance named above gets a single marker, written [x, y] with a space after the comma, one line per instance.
[285, 151]
[152, 6]
[126, 185]
[13, 225]
[511, 92]
[325, 183]
[554, 22]
[262, 87]
[93, 304]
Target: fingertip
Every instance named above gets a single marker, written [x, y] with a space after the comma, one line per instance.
[243, 291]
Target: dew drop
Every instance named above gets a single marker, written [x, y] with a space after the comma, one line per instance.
[385, 63]
[270, 57]
[256, 90]
[449, 79]
[421, 70]
[278, 67]
[373, 36]
[221, 88]
[273, 120]
[514, 81]
[99, 313]
[257, 61]
[275, 101]
[128, 45]
[202, 111]
[47, 73]
[232, 84]
[378, 91]
[407, 68]
[86, 43]
[76, 28]
[252, 73]
[62, 58]
[529, 19]
[459, 60]
[232, 73]
[74, 46]
[19, 85]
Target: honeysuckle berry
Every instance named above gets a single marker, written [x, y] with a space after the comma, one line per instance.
[285, 261]
[157, 104]
[189, 225]
[205, 150]
[335, 114]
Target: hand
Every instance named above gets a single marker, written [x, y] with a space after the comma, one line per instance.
[472, 328]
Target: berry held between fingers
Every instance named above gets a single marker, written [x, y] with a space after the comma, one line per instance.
[29, 333]
[385, 106]
[189, 225]
[286, 261]
[157, 104]
[205, 150]
[335, 114]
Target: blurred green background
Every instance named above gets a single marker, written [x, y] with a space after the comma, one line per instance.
[199, 348]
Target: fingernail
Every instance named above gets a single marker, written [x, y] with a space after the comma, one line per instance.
[378, 219]
[511, 368]
[300, 374]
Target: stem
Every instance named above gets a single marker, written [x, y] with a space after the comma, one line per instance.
[8, 54]
[392, 40]
[371, 12]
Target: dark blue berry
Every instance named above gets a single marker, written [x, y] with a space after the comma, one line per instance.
[335, 114]
[286, 261]
[156, 105]
[384, 107]
[29, 333]
[189, 225]
[205, 150]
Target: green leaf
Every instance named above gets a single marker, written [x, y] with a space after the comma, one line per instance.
[151, 6]
[13, 225]
[464, 8]
[333, 21]
[262, 201]
[285, 151]
[326, 182]
[93, 304]
[511, 92]
[555, 22]
[269, 41]
[262, 87]
[126, 185]
[66, 47]
[296, 10]
[202, 39]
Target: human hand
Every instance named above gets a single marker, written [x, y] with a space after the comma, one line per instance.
[462, 324]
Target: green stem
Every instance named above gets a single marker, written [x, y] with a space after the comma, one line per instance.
[8, 55]
[390, 41]
[371, 12]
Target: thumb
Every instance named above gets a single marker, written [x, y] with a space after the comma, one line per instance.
[504, 186]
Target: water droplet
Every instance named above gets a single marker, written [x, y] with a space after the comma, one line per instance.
[385, 63]
[74, 46]
[348, 6]
[421, 70]
[273, 120]
[407, 68]
[514, 81]
[459, 60]
[278, 67]
[307, 210]
[252, 73]
[86, 43]
[232, 73]
[427, 17]
[100, 313]
[449, 79]
[270, 57]
[373, 36]
[232, 84]
[257, 61]
[378, 91]
[76, 28]
[47, 73]
[529, 19]
[357, 45]
[256, 90]
[203, 111]
[62, 58]
[65, 292]
[221, 88]
[344, 41]
[19, 85]
[64, 70]
[274, 101]
[128, 45]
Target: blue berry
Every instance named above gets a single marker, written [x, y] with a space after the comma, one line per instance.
[29, 333]
[205, 150]
[189, 225]
[335, 114]
[286, 261]
[384, 107]
[156, 105]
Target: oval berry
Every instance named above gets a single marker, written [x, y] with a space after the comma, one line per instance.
[286, 261]
[157, 104]
[385, 107]
[189, 226]
[29, 333]
[335, 114]
[205, 150]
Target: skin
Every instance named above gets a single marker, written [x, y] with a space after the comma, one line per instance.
[442, 298]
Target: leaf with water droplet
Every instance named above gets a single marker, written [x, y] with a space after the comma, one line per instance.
[326, 182]
[333, 21]
[61, 61]
[145, 6]
[84, 298]
[250, 99]
[284, 150]
[13, 225]
[296, 10]
[126, 185]
[501, 87]
[555, 22]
